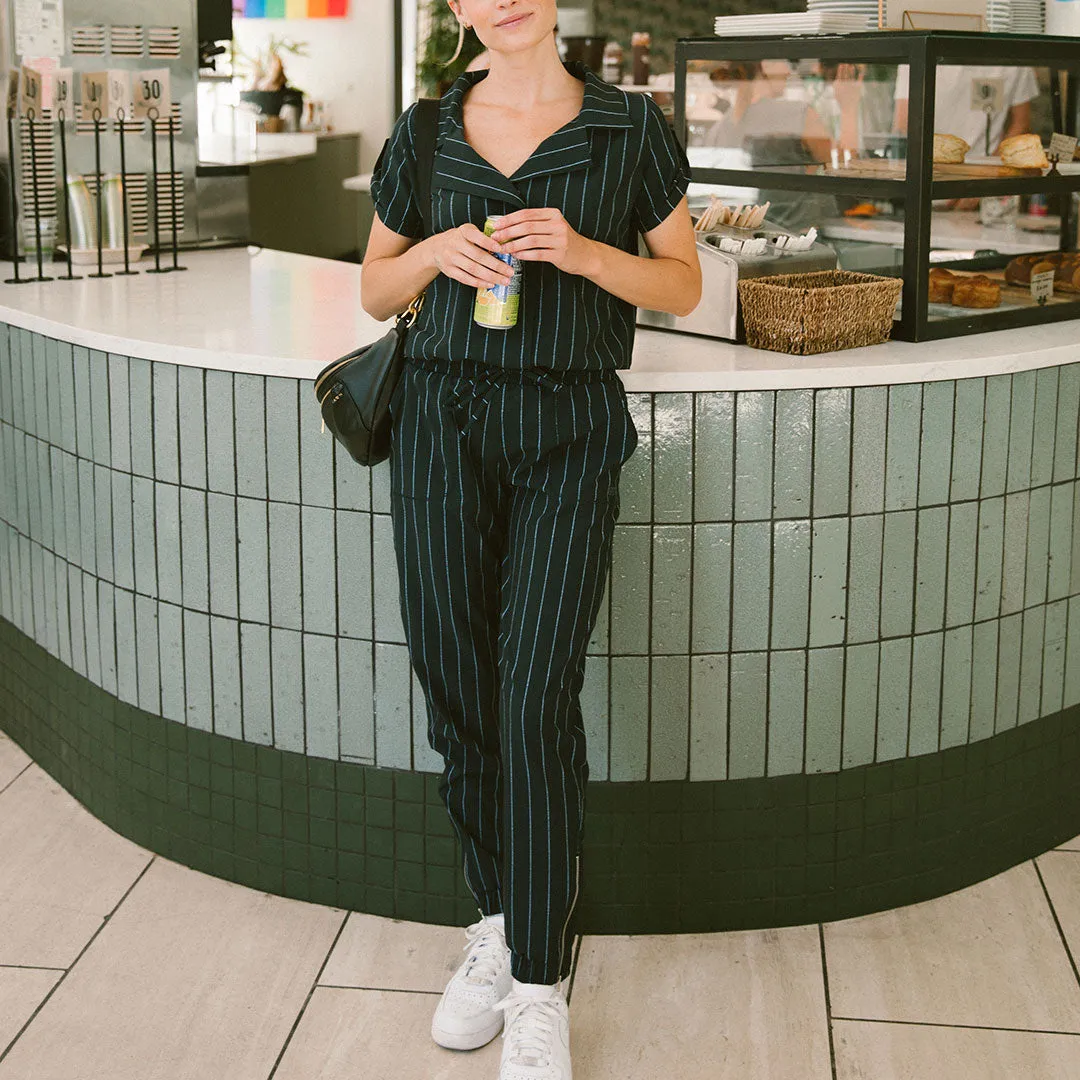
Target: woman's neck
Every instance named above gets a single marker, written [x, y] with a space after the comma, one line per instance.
[528, 78]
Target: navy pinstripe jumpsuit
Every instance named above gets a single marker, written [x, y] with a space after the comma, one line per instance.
[505, 490]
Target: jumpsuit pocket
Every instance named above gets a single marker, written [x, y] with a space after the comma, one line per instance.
[630, 439]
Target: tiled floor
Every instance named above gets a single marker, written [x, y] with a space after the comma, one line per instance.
[116, 964]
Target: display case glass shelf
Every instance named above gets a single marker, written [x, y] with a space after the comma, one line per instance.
[913, 153]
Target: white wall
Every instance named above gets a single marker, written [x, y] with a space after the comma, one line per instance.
[350, 66]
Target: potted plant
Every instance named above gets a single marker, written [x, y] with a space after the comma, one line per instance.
[433, 72]
[264, 72]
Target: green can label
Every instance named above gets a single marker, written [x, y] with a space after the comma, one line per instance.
[497, 308]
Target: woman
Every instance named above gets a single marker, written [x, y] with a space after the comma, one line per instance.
[505, 466]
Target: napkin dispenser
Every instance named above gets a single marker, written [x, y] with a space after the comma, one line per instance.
[728, 254]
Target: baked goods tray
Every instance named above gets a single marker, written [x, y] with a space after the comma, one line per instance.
[896, 169]
[1013, 298]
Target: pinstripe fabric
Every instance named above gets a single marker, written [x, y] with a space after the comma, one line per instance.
[613, 171]
[505, 464]
[503, 545]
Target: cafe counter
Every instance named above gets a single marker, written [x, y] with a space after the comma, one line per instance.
[837, 668]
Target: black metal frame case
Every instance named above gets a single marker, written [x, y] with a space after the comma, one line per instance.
[923, 51]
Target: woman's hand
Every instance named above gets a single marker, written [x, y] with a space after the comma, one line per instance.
[467, 255]
[544, 235]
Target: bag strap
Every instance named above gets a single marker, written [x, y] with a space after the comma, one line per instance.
[425, 132]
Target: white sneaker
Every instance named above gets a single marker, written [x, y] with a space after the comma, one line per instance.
[536, 1038]
[466, 1017]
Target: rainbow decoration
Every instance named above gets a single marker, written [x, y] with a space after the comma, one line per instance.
[293, 9]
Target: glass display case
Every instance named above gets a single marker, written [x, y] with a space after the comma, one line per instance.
[917, 154]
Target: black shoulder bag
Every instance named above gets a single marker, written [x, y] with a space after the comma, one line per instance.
[354, 391]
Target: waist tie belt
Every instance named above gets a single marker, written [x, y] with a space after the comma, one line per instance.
[479, 381]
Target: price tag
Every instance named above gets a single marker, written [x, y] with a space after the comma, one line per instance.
[93, 89]
[119, 93]
[63, 93]
[1062, 147]
[152, 92]
[988, 95]
[1042, 286]
[30, 92]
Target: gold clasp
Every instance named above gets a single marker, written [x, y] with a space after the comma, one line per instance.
[413, 310]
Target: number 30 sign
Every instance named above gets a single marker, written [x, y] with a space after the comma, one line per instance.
[152, 93]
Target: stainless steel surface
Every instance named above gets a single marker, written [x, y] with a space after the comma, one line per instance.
[223, 207]
[133, 35]
[717, 316]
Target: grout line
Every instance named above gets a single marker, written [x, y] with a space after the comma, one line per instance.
[12, 781]
[374, 990]
[954, 1027]
[1057, 921]
[828, 999]
[82, 952]
[314, 985]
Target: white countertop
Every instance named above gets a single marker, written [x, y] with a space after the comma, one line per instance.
[273, 313]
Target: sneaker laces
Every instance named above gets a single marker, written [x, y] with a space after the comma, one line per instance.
[487, 954]
[530, 1028]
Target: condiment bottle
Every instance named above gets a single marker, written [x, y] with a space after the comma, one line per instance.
[613, 63]
[639, 46]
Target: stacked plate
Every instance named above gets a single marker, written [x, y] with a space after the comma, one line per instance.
[865, 9]
[1015, 16]
[789, 23]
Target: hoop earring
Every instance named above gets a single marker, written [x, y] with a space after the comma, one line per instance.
[460, 43]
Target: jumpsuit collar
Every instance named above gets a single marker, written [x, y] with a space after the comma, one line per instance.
[458, 167]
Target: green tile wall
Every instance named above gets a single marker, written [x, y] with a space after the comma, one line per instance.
[660, 856]
[908, 555]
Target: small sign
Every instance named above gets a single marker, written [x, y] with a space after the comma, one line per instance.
[988, 95]
[94, 90]
[1062, 147]
[63, 93]
[119, 93]
[30, 92]
[152, 92]
[1042, 286]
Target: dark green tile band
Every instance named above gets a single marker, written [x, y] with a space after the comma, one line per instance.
[660, 856]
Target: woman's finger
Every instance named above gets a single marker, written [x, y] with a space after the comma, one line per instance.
[531, 243]
[472, 235]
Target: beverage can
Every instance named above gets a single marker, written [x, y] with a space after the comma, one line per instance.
[497, 308]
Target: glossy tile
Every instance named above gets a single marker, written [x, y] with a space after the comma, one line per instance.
[894, 699]
[984, 661]
[198, 679]
[1014, 557]
[924, 730]
[832, 451]
[708, 717]
[629, 717]
[869, 420]
[750, 580]
[282, 433]
[220, 432]
[194, 549]
[794, 455]
[864, 578]
[1010, 631]
[787, 712]
[353, 581]
[191, 404]
[673, 460]
[316, 452]
[636, 479]
[828, 593]
[701, 1007]
[393, 707]
[711, 612]
[65, 872]
[670, 728]
[956, 686]
[714, 457]
[320, 701]
[631, 569]
[255, 675]
[595, 711]
[671, 589]
[995, 436]
[1059, 557]
[1038, 547]
[167, 530]
[191, 977]
[790, 584]
[932, 547]
[860, 704]
[1031, 664]
[902, 447]
[1042, 450]
[141, 416]
[990, 558]
[1068, 412]
[249, 402]
[224, 654]
[1053, 674]
[319, 568]
[898, 574]
[1006, 967]
[286, 605]
[963, 549]
[166, 427]
[747, 748]
[119, 413]
[1021, 431]
[754, 432]
[824, 710]
[171, 641]
[287, 685]
[356, 694]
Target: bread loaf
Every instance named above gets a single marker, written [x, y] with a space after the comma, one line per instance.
[1024, 152]
[949, 150]
[942, 284]
[976, 292]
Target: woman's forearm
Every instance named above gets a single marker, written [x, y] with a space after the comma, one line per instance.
[659, 284]
[389, 285]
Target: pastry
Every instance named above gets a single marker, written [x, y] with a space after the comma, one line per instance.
[1066, 273]
[949, 150]
[1018, 271]
[942, 284]
[1024, 152]
[976, 292]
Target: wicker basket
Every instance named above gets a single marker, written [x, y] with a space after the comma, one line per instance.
[820, 312]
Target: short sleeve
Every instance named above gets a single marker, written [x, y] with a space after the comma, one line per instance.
[665, 171]
[1024, 88]
[392, 181]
